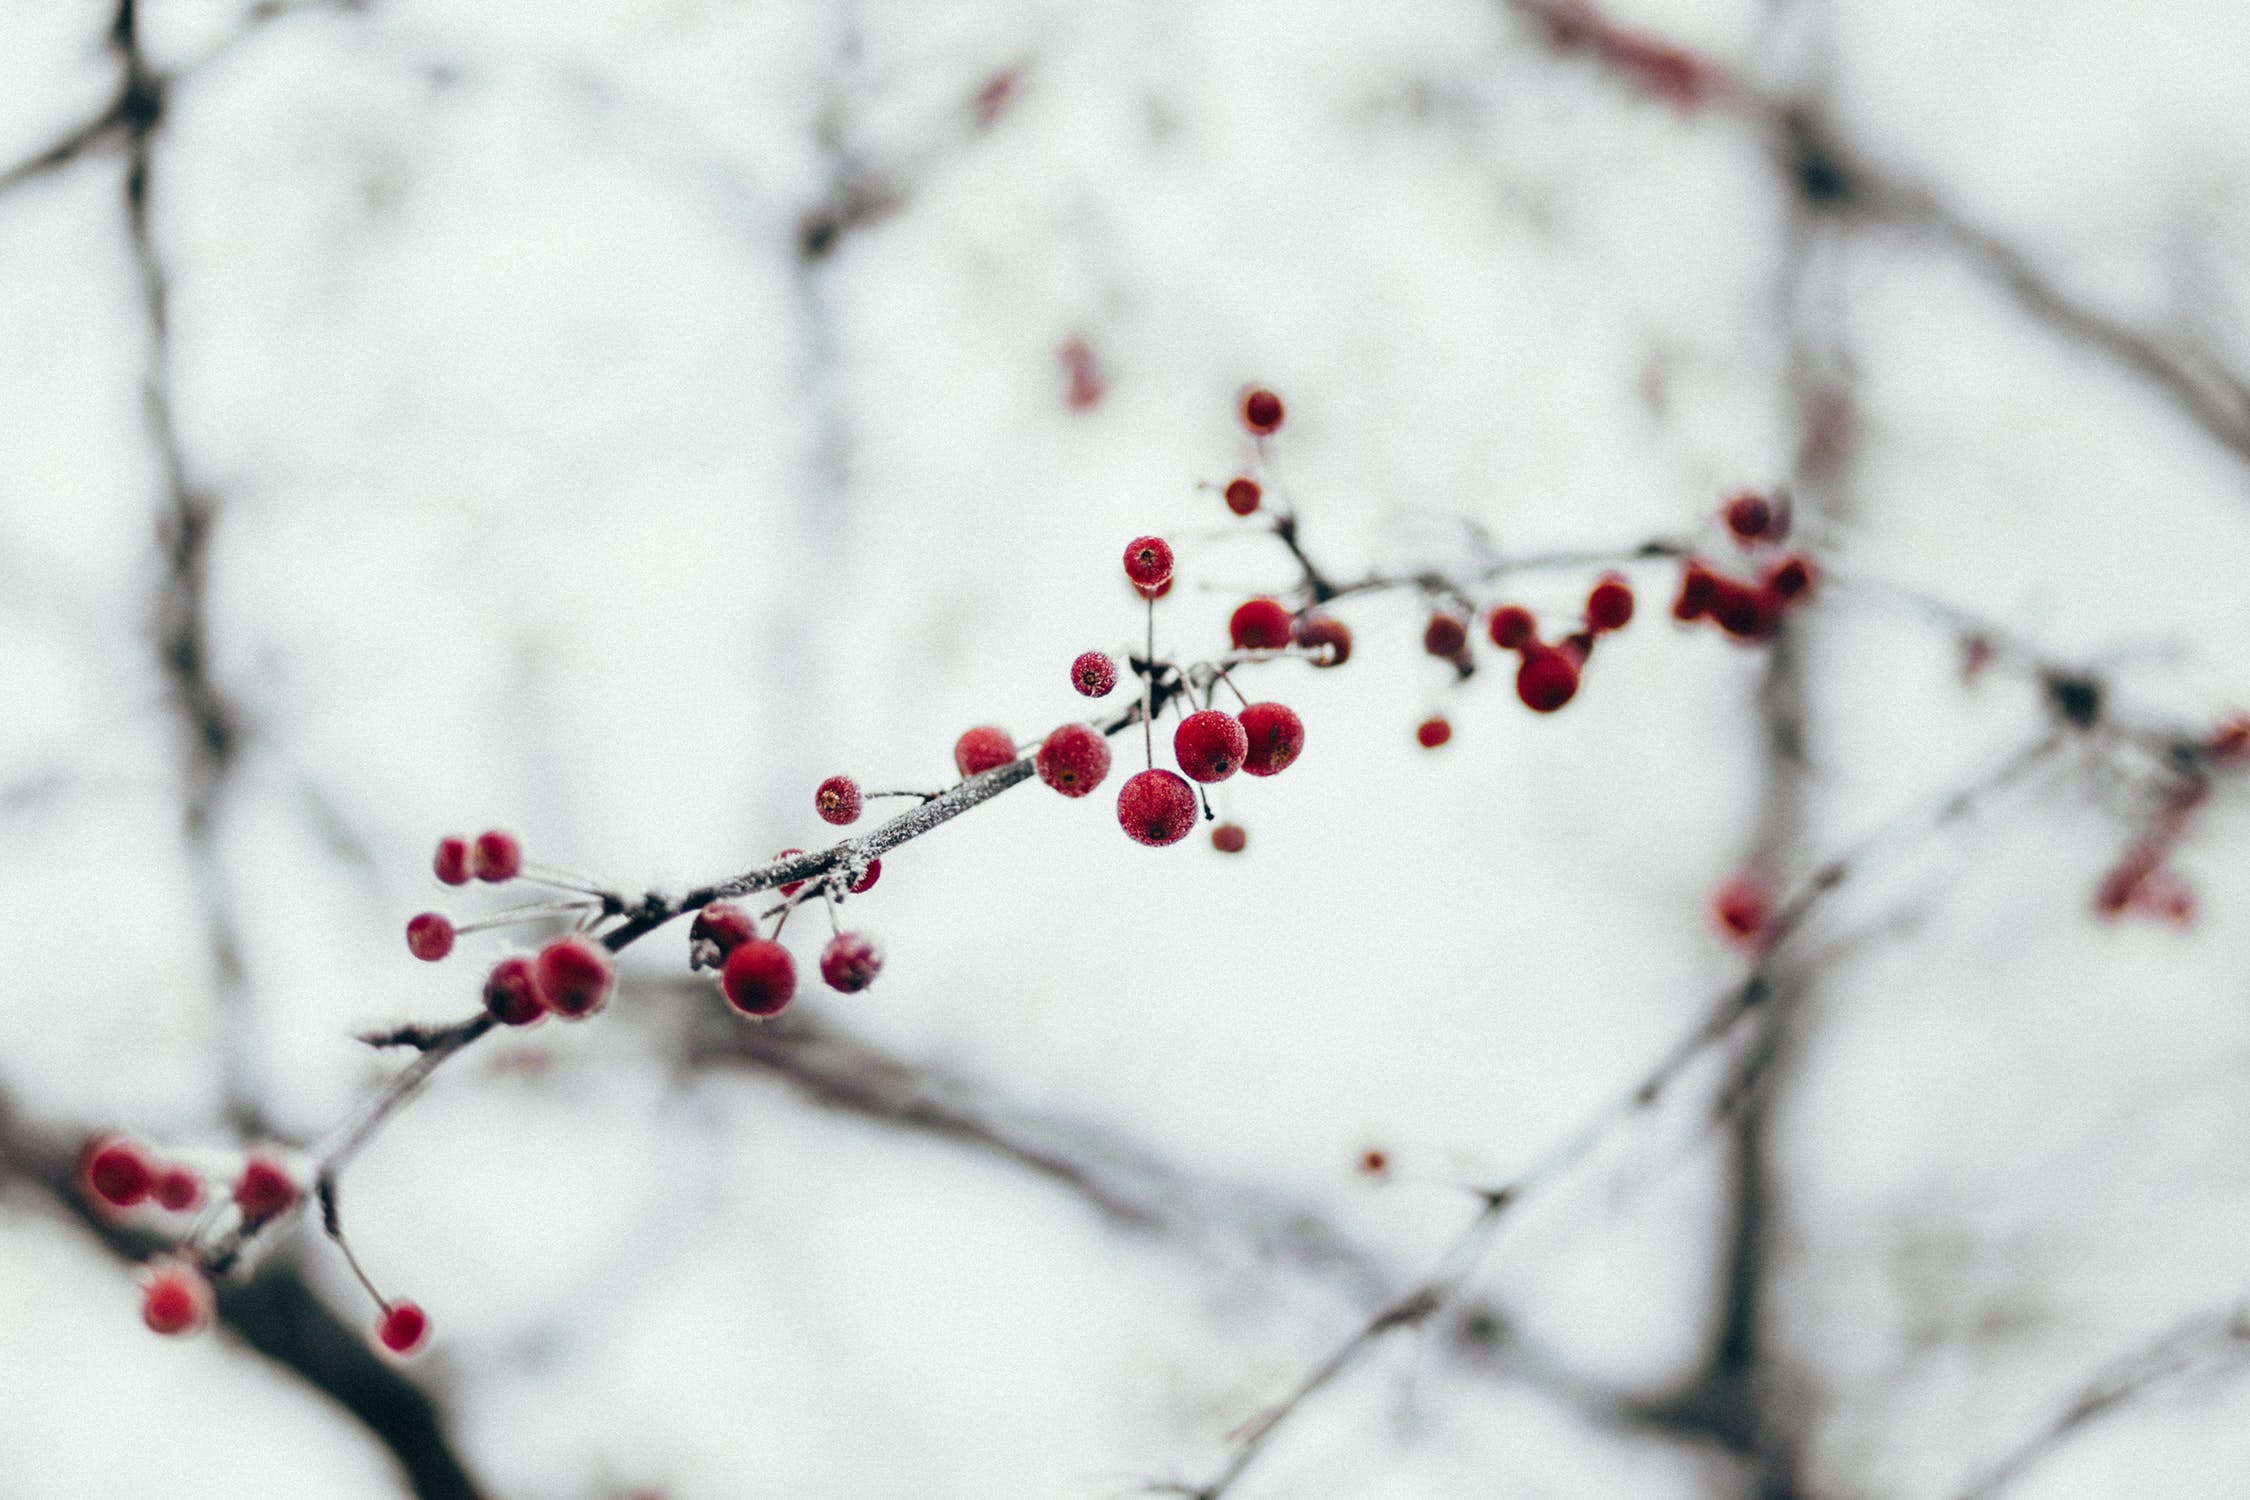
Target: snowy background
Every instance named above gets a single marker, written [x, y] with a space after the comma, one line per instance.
[612, 417]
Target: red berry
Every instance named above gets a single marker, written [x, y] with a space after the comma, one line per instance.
[452, 862]
[1742, 911]
[264, 1191]
[837, 800]
[1210, 745]
[1326, 637]
[1746, 613]
[874, 873]
[429, 937]
[724, 925]
[794, 886]
[573, 977]
[850, 962]
[511, 992]
[1276, 736]
[2229, 744]
[175, 1298]
[1446, 636]
[1148, 562]
[496, 857]
[1512, 627]
[1793, 577]
[759, 978]
[1433, 732]
[1261, 624]
[1697, 584]
[1229, 838]
[1243, 495]
[1547, 679]
[178, 1189]
[982, 748]
[403, 1328]
[117, 1173]
[1073, 760]
[1610, 605]
[1749, 516]
[1261, 410]
[1087, 384]
[1094, 674]
[1373, 1162]
[1155, 808]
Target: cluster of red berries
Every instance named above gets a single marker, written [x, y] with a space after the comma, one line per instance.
[757, 974]
[1752, 608]
[118, 1173]
[1547, 673]
[493, 856]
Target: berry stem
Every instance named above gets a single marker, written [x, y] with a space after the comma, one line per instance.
[1148, 685]
[529, 913]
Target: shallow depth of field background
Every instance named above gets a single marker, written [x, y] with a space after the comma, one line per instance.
[556, 490]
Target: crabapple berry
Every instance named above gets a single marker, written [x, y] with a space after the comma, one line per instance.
[1446, 636]
[176, 1298]
[760, 978]
[1792, 578]
[1229, 838]
[1610, 605]
[511, 992]
[1148, 562]
[867, 881]
[850, 962]
[1750, 517]
[117, 1173]
[1261, 411]
[1210, 745]
[1697, 583]
[496, 856]
[1326, 637]
[573, 977]
[1094, 674]
[1276, 736]
[264, 1191]
[1155, 808]
[1746, 613]
[1512, 626]
[178, 1189]
[1073, 760]
[452, 862]
[2229, 744]
[1243, 495]
[982, 748]
[1433, 732]
[1547, 679]
[403, 1328]
[429, 937]
[837, 800]
[724, 925]
[1259, 624]
[1742, 911]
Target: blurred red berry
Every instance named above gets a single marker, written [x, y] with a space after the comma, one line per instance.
[116, 1172]
[1750, 517]
[1094, 674]
[1326, 637]
[1243, 495]
[403, 1328]
[1610, 605]
[725, 925]
[496, 856]
[1547, 679]
[511, 992]
[1696, 586]
[573, 976]
[264, 1191]
[1074, 759]
[1259, 624]
[982, 748]
[1261, 411]
[178, 1189]
[429, 937]
[1792, 578]
[850, 962]
[1432, 732]
[1512, 627]
[1276, 737]
[867, 881]
[2229, 744]
[837, 800]
[175, 1298]
[1742, 910]
[1085, 384]
[1229, 838]
[452, 862]
[760, 978]
[1446, 636]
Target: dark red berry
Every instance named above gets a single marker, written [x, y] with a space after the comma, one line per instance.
[1155, 808]
[1373, 1162]
[1229, 838]
[867, 881]
[1547, 679]
[1094, 674]
[1432, 732]
[1749, 516]
[175, 1298]
[1260, 624]
[573, 977]
[511, 992]
[452, 862]
[117, 1173]
[725, 926]
[496, 856]
[403, 1328]
[794, 886]
[850, 962]
[1742, 911]
[1210, 745]
[759, 978]
[264, 1191]
[1512, 627]
[1746, 613]
[178, 1189]
[1793, 577]
[429, 937]
[1073, 760]
[1697, 586]
[982, 748]
[837, 800]
[1276, 736]
[1610, 605]
[1446, 636]
[1243, 495]
[1261, 411]
[1326, 637]
[1148, 562]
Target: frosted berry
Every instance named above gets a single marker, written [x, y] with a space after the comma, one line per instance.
[1210, 746]
[837, 800]
[452, 862]
[1148, 562]
[1261, 411]
[117, 1173]
[403, 1328]
[264, 1191]
[1547, 679]
[429, 937]
[867, 881]
[1512, 627]
[1155, 808]
[1750, 517]
[1229, 838]
[1074, 759]
[1610, 605]
[177, 1189]
[1327, 638]
[1243, 495]
[1276, 736]
[175, 1298]
[1260, 624]
[981, 749]
[1094, 674]
[1793, 577]
[725, 926]
[1446, 636]
[760, 978]
[573, 977]
[794, 886]
[511, 992]
[850, 962]
[496, 856]
[1432, 732]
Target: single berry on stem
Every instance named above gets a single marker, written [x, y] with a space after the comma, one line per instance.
[1229, 838]
[1210, 745]
[1742, 910]
[511, 992]
[1094, 674]
[178, 1189]
[1073, 760]
[1433, 732]
[1155, 808]
[850, 962]
[175, 1298]
[867, 881]
[1446, 636]
[1610, 605]
[1148, 562]
[1243, 495]
[116, 1172]
[1261, 411]
[1260, 624]
[429, 937]
[496, 856]
[1512, 627]
[573, 977]
[1276, 737]
[452, 862]
[725, 925]
[760, 978]
[1792, 578]
[1750, 516]
[982, 748]
[1547, 679]
[837, 800]
[403, 1328]
[264, 1191]
[1327, 638]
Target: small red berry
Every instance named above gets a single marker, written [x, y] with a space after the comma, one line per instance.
[1148, 562]
[1210, 745]
[760, 978]
[1155, 808]
[725, 925]
[1512, 627]
[117, 1173]
[1229, 838]
[1260, 624]
[1749, 516]
[1373, 1162]
[1610, 605]
[1446, 636]
[1547, 679]
[1276, 736]
[837, 800]
[264, 1191]
[403, 1328]
[511, 992]
[2229, 744]
[1261, 411]
[1696, 586]
[1074, 759]
[982, 748]
[1742, 911]
[1746, 613]
[1432, 732]
[1793, 577]
[429, 937]
[1326, 637]
[573, 977]
[496, 857]
[850, 962]
[1243, 495]
[175, 1298]
[866, 881]
[1094, 674]
[178, 1189]
[452, 862]
[1083, 372]
[794, 886]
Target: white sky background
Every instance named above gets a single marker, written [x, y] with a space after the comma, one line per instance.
[524, 422]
